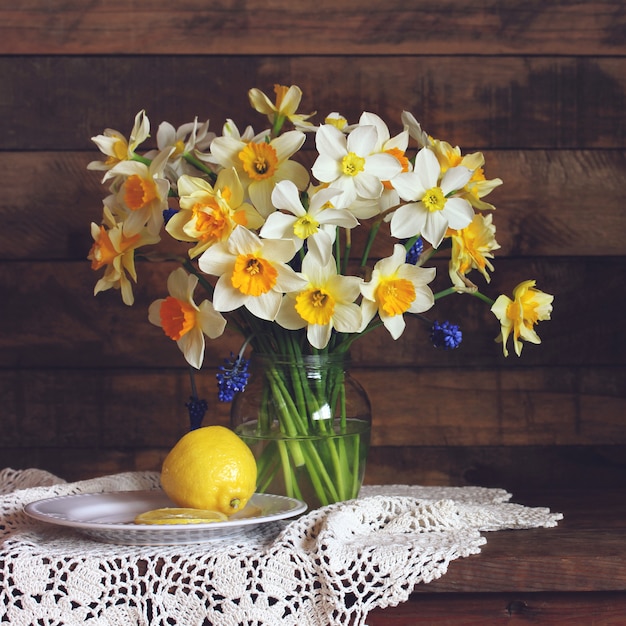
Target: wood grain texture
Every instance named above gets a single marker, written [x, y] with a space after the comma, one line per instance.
[512, 102]
[505, 609]
[369, 27]
[88, 386]
[544, 208]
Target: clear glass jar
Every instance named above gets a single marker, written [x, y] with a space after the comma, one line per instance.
[308, 423]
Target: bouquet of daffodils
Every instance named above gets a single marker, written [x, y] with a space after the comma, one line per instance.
[270, 241]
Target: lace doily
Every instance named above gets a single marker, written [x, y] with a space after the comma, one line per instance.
[331, 566]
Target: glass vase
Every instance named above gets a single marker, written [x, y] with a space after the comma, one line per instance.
[308, 423]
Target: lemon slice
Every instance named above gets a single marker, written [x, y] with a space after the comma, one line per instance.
[175, 515]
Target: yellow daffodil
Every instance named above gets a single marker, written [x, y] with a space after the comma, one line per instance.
[478, 186]
[324, 303]
[529, 306]
[432, 207]
[472, 248]
[351, 163]
[115, 251]
[317, 224]
[396, 287]
[253, 272]
[183, 321]
[261, 164]
[143, 191]
[116, 147]
[286, 105]
[210, 214]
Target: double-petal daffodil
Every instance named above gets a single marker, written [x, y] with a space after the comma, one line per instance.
[253, 272]
[115, 251]
[396, 287]
[183, 321]
[210, 214]
[519, 316]
[352, 163]
[472, 248]
[317, 224]
[286, 106]
[142, 190]
[116, 147]
[261, 164]
[432, 208]
[324, 303]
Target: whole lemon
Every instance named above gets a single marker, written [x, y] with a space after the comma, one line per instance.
[210, 468]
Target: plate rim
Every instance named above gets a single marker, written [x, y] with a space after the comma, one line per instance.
[33, 510]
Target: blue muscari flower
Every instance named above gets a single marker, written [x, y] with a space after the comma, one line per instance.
[169, 213]
[197, 408]
[232, 377]
[447, 336]
[413, 254]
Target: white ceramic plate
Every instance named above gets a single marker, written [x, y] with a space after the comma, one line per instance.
[109, 517]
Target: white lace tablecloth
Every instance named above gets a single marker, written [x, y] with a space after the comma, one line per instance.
[330, 566]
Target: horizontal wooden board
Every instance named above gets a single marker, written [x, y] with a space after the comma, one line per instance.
[552, 203]
[127, 408]
[51, 319]
[283, 27]
[58, 103]
[500, 609]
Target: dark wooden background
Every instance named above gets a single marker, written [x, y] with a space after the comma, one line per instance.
[88, 386]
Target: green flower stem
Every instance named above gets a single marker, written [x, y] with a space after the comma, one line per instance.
[370, 241]
[483, 297]
[446, 292]
[199, 165]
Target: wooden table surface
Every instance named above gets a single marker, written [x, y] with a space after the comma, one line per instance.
[573, 574]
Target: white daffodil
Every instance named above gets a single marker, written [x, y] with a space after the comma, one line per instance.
[326, 302]
[431, 209]
[352, 164]
[210, 214]
[186, 139]
[183, 321]
[253, 272]
[413, 127]
[115, 251]
[261, 164]
[116, 147]
[317, 225]
[143, 191]
[394, 146]
[396, 288]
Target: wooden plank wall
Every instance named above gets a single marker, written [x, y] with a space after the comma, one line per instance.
[87, 386]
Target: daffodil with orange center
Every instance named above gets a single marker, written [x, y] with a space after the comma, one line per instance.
[142, 190]
[183, 321]
[261, 164]
[396, 288]
[209, 214]
[115, 251]
[285, 107]
[472, 248]
[253, 272]
[519, 316]
[324, 303]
